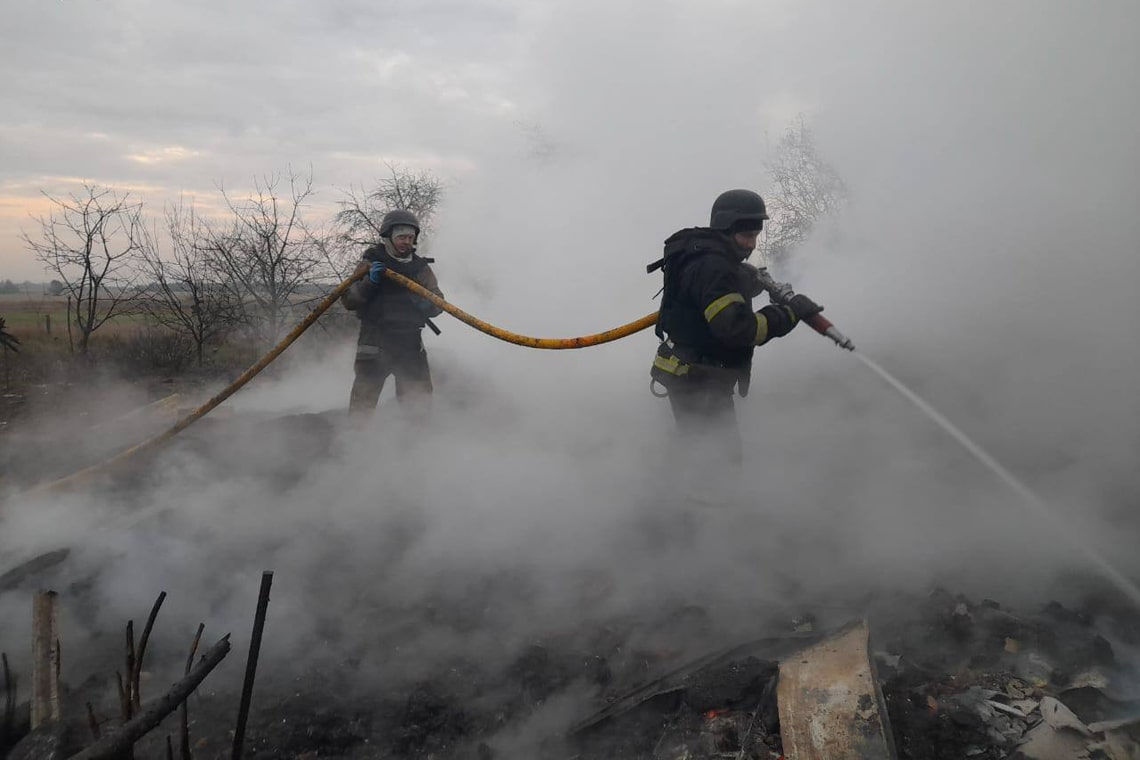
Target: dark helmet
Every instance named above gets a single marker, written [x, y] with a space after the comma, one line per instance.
[397, 217]
[738, 210]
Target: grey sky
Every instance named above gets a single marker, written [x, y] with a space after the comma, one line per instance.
[164, 97]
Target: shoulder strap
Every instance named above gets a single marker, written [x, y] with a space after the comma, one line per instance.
[676, 243]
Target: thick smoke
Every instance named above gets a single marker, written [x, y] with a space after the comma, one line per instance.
[987, 258]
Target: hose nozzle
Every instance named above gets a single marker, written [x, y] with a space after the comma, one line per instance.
[781, 292]
[825, 328]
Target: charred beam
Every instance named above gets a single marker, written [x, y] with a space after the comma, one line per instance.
[121, 741]
[12, 578]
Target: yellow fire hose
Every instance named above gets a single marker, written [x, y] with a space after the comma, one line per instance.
[497, 332]
[522, 340]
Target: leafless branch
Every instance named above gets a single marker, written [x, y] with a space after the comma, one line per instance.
[361, 210]
[267, 254]
[805, 189]
[185, 294]
[91, 241]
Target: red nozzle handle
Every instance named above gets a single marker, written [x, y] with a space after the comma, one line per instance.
[819, 323]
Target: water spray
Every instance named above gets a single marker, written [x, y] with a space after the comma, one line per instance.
[781, 292]
[1030, 499]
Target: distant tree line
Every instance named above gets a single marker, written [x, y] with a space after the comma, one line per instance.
[248, 270]
[206, 278]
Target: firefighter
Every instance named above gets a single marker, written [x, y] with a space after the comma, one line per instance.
[707, 326]
[391, 317]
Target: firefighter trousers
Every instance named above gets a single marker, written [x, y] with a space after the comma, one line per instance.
[403, 358]
[705, 413]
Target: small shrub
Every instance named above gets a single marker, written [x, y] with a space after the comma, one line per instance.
[148, 350]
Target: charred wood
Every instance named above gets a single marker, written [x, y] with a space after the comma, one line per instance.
[251, 663]
[136, 675]
[184, 709]
[45, 660]
[116, 744]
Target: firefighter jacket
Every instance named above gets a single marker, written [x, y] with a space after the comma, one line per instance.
[387, 308]
[706, 319]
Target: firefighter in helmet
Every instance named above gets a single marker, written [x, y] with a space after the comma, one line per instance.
[392, 318]
[707, 325]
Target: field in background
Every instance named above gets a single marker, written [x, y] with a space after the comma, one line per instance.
[25, 315]
[24, 312]
[46, 378]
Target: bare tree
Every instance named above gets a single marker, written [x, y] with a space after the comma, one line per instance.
[185, 295]
[806, 189]
[361, 211]
[266, 255]
[92, 241]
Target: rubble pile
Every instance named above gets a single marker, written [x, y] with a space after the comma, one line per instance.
[958, 679]
[973, 680]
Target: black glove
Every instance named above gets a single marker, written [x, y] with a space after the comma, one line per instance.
[751, 277]
[803, 307]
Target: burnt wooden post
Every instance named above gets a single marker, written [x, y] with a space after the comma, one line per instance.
[251, 663]
[45, 660]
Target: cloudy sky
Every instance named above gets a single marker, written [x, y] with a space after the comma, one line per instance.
[164, 98]
[660, 104]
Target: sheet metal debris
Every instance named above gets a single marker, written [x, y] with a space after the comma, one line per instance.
[830, 704]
